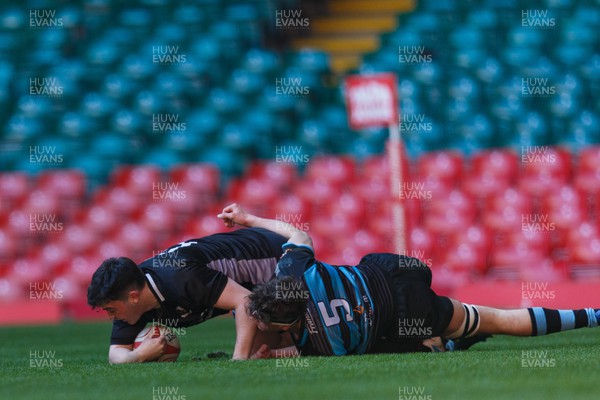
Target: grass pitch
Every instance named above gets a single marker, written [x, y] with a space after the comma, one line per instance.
[69, 362]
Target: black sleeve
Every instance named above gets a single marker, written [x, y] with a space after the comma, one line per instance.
[201, 286]
[125, 334]
[295, 261]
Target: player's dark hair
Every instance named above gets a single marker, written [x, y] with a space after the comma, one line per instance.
[281, 300]
[112, 280]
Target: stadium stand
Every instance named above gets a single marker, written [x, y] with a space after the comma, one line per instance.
[169, 110]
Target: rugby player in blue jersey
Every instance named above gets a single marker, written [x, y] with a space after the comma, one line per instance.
[382, 305]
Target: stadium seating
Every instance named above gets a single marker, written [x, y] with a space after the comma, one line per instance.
[477, 163]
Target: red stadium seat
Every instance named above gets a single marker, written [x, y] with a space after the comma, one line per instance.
[18, 227]
[69, 288]
[108, 249]
[77, 239]
[366, 242]
[349, 205]
[544, 168]
[200, 182]
[450, 213]
[205, 225]
[281, 175]
[443, 165]
[200, 177]
[69, 185]
[586, 251]
[456, 199]
[101, 219]
[42, 202]
[120, 201]
[11, 291]
[498, 164]
[318, 193]
[483, 187]
[157, 218]
[421, 243]
[14, 187]
[509, 198]
[292, 204]
[54, 256]
[81, 269]
[26, 271]
[255, 194]
[140, 180]
[589, 161]
[8, 247]
[336, 170]
[465, 257]
[136, 240]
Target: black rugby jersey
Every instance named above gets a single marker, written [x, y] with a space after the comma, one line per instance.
[188, 278]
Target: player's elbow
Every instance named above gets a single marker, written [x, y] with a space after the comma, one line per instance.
[301, 237]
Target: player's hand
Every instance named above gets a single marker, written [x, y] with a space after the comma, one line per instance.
[263, 352]
[234, 214]
[152, 348]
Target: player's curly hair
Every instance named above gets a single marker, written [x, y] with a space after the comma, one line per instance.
[112, 280]
[281, 300]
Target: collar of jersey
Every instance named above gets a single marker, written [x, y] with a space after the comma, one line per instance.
[154, 288]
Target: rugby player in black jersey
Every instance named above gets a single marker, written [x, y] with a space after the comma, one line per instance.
[383, 304]
[184, 285]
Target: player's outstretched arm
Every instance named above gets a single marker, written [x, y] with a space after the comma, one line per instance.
[234, 297]
[235, 214]
[150, 349]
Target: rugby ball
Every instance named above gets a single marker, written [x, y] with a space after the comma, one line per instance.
[153, 331]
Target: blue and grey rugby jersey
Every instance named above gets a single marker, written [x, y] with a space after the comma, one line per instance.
[348, 306]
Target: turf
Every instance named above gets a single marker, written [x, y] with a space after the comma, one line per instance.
[564, 366]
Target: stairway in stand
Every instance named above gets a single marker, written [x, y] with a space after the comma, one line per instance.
[352, 29]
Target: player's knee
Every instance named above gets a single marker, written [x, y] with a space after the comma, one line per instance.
[469, 326]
